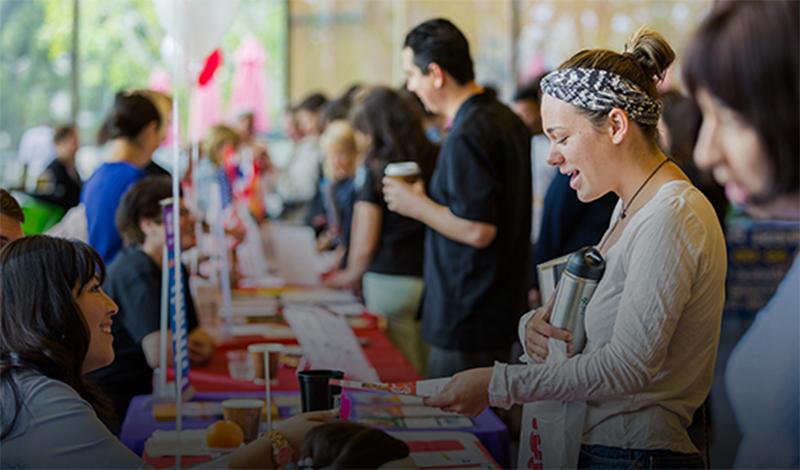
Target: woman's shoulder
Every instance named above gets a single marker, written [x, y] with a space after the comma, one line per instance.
[679, 204]
[118, 173]
[680, 213]
[36, 395]
[38, 387]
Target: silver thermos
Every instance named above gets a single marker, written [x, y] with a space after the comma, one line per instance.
[578, 282]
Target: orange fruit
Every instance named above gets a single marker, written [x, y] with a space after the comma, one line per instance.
[224, 434]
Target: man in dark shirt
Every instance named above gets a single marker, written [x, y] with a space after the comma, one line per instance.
[60, 184]
[477, 208]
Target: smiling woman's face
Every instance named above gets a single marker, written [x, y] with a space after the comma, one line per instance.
[731, 149]
[97, 309]
[578, 149]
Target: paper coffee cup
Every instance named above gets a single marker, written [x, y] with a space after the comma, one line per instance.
[246, 412]
[405, 171]
[257, 352]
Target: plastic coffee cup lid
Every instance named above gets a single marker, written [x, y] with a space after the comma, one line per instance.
[243, 403]
[401, 169]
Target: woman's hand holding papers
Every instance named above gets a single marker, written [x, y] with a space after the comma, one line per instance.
[467, 393]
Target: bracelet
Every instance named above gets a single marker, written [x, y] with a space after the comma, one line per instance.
[282, 452]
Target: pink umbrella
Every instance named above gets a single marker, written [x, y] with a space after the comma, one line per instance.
[206, 99]
[206, 109]
[250, 83]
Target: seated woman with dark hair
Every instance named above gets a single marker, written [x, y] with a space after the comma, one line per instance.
[48, 341]
[134, 282]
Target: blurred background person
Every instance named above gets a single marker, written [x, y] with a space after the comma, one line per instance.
[60, 184]
[677, 131]
[337, 188]
[743, 69]
[297, 181]
[386, 248]
[525, 104]
[132, 129]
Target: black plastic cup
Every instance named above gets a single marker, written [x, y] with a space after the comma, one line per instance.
[315, 392]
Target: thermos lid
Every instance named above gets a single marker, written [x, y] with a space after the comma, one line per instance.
[587, 263]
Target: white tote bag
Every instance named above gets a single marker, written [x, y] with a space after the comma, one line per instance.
[551, 430]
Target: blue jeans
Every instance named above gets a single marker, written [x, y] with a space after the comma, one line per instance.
[603, 457]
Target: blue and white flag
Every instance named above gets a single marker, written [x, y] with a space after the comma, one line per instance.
[177, 317]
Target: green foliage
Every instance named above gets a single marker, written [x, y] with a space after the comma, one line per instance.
[119, 46]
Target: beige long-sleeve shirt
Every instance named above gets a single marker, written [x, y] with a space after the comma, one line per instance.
[652, 328]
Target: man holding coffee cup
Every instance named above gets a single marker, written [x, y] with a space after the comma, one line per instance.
[477, 209]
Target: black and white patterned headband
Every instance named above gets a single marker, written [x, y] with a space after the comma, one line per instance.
[599, 90]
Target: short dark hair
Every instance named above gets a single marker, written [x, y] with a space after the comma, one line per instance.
[131, 113]
[141, 202]
[313, 103]
[351, 445]
[439, 41]
[335, 110]
[10, 207]
[46, 332]
[746, 54]
[62, 132]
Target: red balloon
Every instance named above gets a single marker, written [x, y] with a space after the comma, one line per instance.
[213, 62]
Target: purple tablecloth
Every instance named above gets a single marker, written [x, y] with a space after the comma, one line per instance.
[139, 424]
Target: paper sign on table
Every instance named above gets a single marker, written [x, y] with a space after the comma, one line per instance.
[162, 443]
[328, 342]
[296, 253]
[445, 449]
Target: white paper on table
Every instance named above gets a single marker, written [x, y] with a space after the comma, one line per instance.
[162, 443]
[328, 341]
[318, 296]
[295, 253]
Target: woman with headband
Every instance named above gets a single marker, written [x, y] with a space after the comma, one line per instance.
[653, 323]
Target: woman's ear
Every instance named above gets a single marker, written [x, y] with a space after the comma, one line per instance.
[618, 125]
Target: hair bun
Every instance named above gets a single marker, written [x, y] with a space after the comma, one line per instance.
[651, 51]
